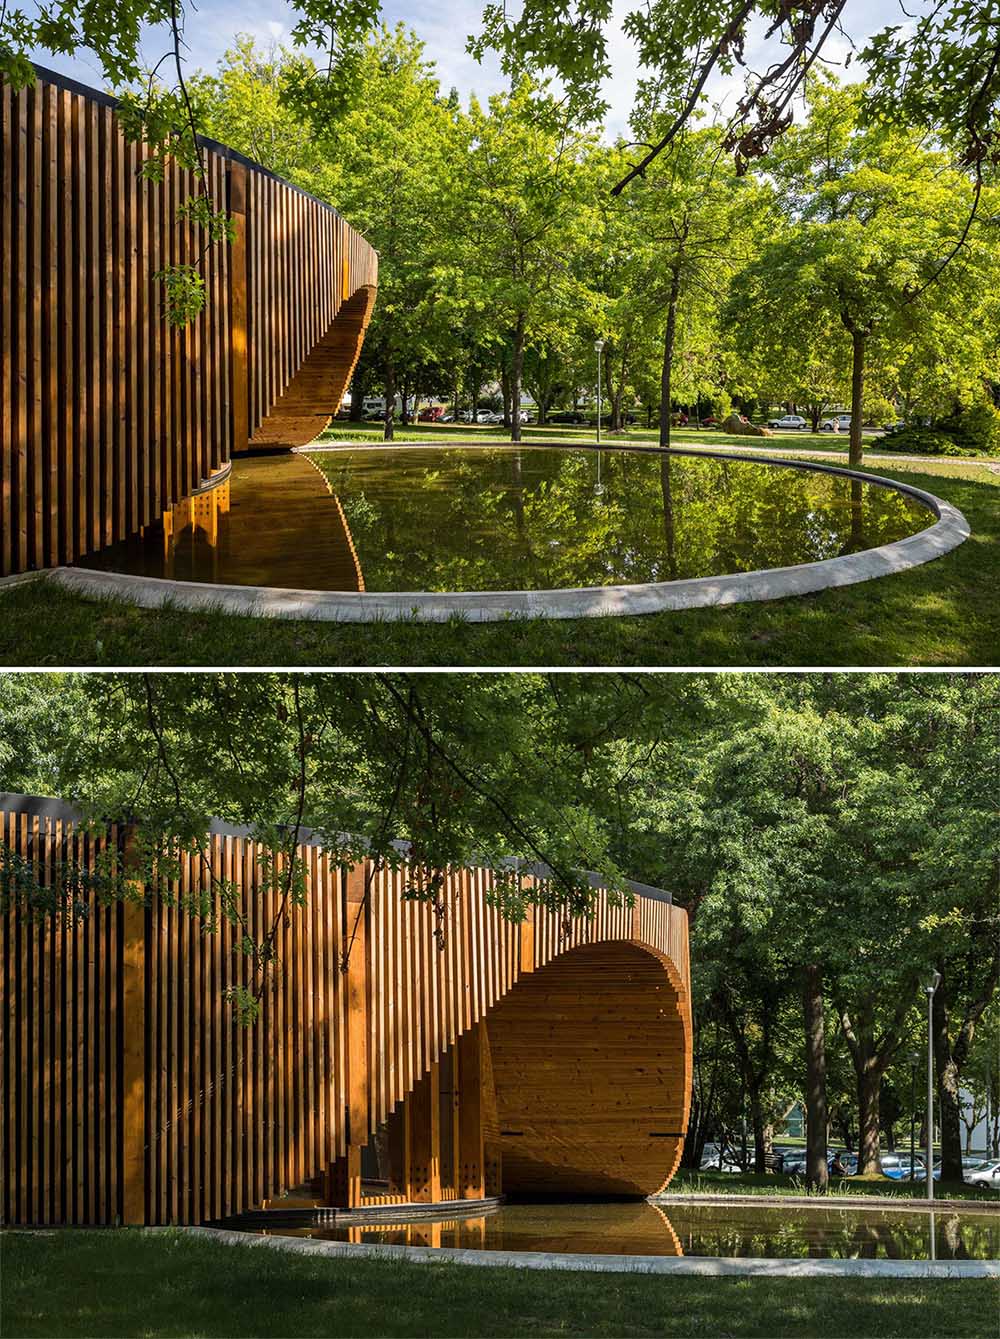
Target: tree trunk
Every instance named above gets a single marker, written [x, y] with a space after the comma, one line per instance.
[389, 390]
[869, 1082]
[859, 340]
[474, 390]
[358, 384]
[669, 336]
[516, 372]
[759, 1139]
[949, 1101]
[817, 1172]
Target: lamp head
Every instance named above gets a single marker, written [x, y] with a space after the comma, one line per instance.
[598, 345]
[931, 982]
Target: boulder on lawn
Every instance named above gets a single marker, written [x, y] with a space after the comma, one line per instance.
[742, 427]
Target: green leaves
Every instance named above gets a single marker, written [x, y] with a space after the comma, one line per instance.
[184, 293]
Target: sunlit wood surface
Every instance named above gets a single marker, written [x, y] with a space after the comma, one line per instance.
[108, 416]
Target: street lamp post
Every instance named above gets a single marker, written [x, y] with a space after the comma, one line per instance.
[598, 346]
[929, 990]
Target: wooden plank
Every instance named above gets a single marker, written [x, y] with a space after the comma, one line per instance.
[134, 1061]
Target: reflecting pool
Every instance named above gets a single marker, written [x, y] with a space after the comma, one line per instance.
[508, 518]
[741, 1228]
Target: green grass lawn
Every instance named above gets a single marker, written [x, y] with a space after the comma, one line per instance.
[124, 1284]
[342, 431]
[727, 1183]
[945, 613]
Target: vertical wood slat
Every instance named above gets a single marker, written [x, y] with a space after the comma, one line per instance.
[107, 416]
[226, 1118]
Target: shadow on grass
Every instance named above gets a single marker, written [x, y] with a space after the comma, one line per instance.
[122, 1283]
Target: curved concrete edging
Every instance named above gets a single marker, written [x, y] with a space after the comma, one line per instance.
[948, 531]
[608, 1264]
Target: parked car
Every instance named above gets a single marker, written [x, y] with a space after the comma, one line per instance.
[984, 1173]
[373, 406]
[921, 1172]
[793, 1162]
[838, 423]
[890, 428]
[896, 1166]
[788, 421]
[433, 413]
[567, 416]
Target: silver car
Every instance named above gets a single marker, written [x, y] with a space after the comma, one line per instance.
[985, 1173]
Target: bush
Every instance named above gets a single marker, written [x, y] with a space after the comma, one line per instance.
[877, 409]
[971, 432]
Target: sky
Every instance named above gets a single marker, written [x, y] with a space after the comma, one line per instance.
[444, 26]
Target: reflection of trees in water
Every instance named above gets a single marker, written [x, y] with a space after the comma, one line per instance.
[669, 530]
[739, 1230]
[532, 518]
[855, 540]
[733, 1230]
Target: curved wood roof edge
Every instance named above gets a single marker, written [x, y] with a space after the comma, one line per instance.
[70, 85]
[45, 806]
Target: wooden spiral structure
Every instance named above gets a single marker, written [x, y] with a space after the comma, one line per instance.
[472, 1055]
[108, 416]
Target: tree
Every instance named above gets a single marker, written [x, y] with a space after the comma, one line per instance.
[524, 212]
[245, 105]
[395, 148]
[872, 214]
[694, 220]
[793, 837]
[945, 74]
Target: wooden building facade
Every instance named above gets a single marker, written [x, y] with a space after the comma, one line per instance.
[473, 1054]
[108, 415]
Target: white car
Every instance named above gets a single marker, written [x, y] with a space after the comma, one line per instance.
[788, 421]
[838, 423]
[985, 1173]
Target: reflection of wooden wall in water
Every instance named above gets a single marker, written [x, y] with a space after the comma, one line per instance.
[130, 1092]
[108, 417]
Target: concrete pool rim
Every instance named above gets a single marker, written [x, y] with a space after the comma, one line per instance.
[949, 529]
[800, 1267]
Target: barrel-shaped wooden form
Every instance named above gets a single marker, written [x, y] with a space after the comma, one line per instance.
[479, 1054]
[108, 416]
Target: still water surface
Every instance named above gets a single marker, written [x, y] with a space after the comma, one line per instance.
[506, 518]
[737, 1229]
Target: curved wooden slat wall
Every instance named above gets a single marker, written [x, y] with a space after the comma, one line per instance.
[130, 1092]
[108, 416]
